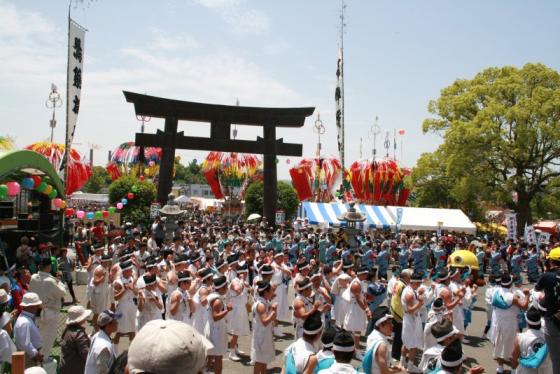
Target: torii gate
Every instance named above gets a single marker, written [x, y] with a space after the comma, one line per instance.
[220, 117]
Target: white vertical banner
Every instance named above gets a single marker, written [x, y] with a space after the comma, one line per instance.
[511, 225]
[339, 100]
[530, 236]
[544, 237]
[76, 37]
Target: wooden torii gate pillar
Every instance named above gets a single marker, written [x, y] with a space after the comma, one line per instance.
[220, 118]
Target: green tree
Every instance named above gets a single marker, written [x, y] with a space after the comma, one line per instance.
[192, 173]
[500, 135]
[138, 208]
[98, 181]
[287, 199]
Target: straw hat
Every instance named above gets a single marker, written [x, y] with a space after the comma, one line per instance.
[77, 314]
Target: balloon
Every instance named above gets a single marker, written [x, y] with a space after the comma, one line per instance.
[151, 163]
[41, 187]
[99, 214]
[48, 190]
[90, 215]
[69, 212]
[141, 177]
[80, 214]
[37, 180]
[105, 214]
[130, 196]
[53, 194]
[27, 183]
[119, 206]
[3, 191]
[402, 132]
[124, 201]
[57, 202]
[134, 189]
[13, 188]
[63, 205]
[112, 209]
[288, 161]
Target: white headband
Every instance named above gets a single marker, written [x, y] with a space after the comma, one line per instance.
[532, 323]
[304, 287]
[220, 286]
[267, 272]
[452, 364]
[340, 348]
[328, 345]
[207, 276]
[149, 284]
[263, 288]
[453, 332]
[312, 332]
[507, 283]
[185, 279]
[383, 319]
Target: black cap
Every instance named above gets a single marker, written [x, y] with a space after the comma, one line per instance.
[533, 317]
[262, 285]
[506, 280]
[219, 282]
[220, 263]
[343, 342]
[452, 355]
[106, 258]
[303, 284]
[182, 259]
[328, 337]
[380, 315]
[231, 259]
[183, 276]
[126, 265]
[437, 305]
[266, 270]
[312, 324]
[149, 279]
[205, 273]
[97, 246]
[347, 264]
[362, 270]
[443, 329]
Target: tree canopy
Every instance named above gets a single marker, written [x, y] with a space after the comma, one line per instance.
[501, 141]
[99, 180]
[287, 199]
[138, 208]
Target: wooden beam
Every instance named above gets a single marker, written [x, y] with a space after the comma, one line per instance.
[159, 107]
[179, 141]
[18, 362]
[270, 178]
[167, 162]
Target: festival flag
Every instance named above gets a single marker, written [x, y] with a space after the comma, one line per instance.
[511, 225]
[339, 99]
[530, 236]
[76, 37]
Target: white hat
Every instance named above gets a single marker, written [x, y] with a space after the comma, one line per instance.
[3, 296]
[35, 370]
[30, 299]
[167, 347]
[77, 314]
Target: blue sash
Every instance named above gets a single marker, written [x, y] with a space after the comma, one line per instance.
[499, 302]
[535, 359]
[290, 363]
[367, 361]
[324, 363]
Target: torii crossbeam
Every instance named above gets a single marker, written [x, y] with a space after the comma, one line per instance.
[220, 118]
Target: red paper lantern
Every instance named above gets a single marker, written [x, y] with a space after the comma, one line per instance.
[37, 180]
[69, 212]
[130, 196]
[105, 214]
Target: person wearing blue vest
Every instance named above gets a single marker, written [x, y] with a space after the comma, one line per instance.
[480, 256]
[532, 264]
[323, 244]
[419, 256]
[440, 256]
[375, 295]
[330, 255]
[343, 350]
[382, 260]
[515, 262]
[368, 258]
[404, 256]
[378, 348]
[293, 252]
[495, 257]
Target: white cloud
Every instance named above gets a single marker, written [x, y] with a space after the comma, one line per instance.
[242, 19]
[164, 41]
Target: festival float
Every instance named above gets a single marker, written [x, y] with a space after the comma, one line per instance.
[129, 159]
[315, 179]
[79, 171]
[379, 182]
[228, 175]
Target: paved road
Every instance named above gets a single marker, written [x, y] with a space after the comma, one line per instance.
[476, 350]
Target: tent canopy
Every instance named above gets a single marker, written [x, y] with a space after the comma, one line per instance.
[385, 217]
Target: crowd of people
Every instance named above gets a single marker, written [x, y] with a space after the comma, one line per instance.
[184, 297]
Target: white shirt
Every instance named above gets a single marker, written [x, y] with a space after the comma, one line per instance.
[101, 354]
[7, 347]
[301, 350]
[339, 368]
[50, 290]
[27, 335]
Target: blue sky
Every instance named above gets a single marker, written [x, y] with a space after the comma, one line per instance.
[398, 56]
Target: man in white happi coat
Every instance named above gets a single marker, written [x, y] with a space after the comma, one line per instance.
[102, 352]
[51, 291]
[412, 333]
[125, 293]
[99, 288]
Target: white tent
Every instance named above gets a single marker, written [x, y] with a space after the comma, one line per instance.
[430, 219]
[183, 199]
[385, 217]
